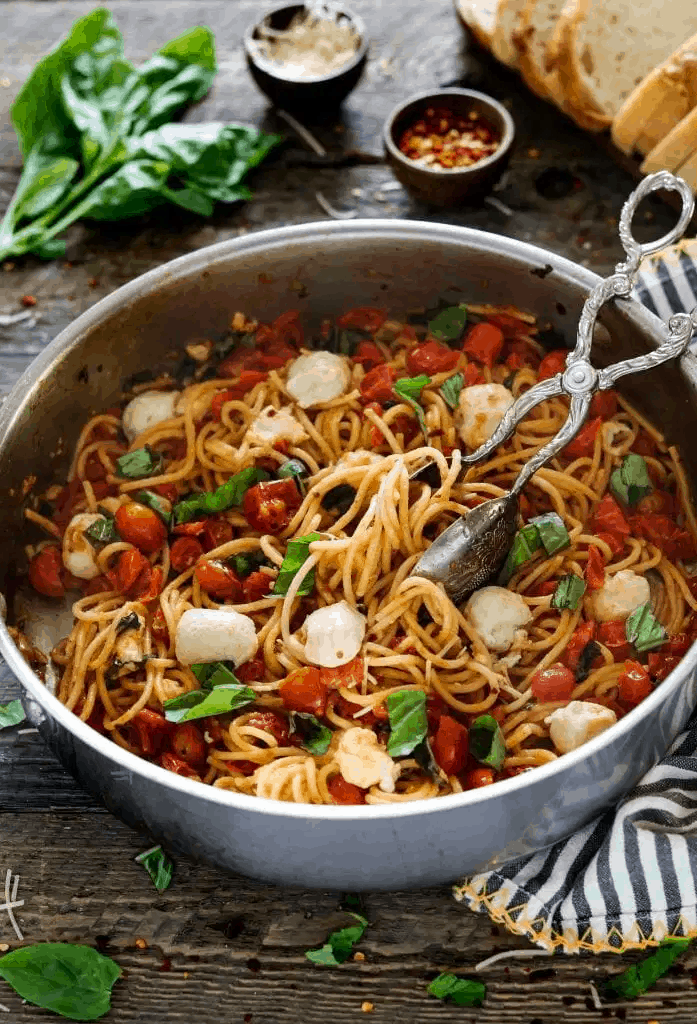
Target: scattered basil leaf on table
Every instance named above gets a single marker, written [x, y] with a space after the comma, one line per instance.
[585, 662]
[570, 590]
[630, 483]
[408, 721]
[487, 744]
[450, 389]
[158, 866]
[296, 470]
[461, 991]
[314, 736]
[157, 504]
[223, 697]
[643, 629]
[638, 978]
[409, 390]
[552, 531]
[339, 945]
[296, 555]
[102, 531]
[74, 981]
[449, 324]
[214, 673]
[229, 494]
[11, 714]
[139, 463]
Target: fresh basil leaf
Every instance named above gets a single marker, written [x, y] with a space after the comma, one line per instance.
[215, 673]
[46, 177]
[409, 390]
[639, 978]
[423, 753]
[585, 661]
[643, 629]
[408, 722]
[461, 991]
[248, 562]
[139, 463]
[552, 531]
[158, 866]
[204, 703]
[449, 325]
[487, 744]
[630, 483]
[11, 714]
[570, 590]
[229, 494]
[103, 531]
[296, 470]
[51, 249]
[339, 945]
[297, 554]
[75, 981]
[525, 543]
[314, 736]
[339, 499]
[157, 504]
[450, 389]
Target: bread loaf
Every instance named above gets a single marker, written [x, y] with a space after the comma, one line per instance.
[502, 45]
[675, 148]
[480, 18]
[533, 36]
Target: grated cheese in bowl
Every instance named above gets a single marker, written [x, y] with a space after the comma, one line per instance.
[318, 41]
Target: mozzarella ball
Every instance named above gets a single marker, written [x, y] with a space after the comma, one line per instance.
[147, 410]
[572, 726]
[334, 635]
[79, 556]
[363, 762]
[215, 634]
[273, 425]
[497, 614]
[619, 596]
[481, 409]
[317, 377]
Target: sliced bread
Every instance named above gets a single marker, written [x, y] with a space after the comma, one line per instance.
[659, 102]
[567, 95]
[610, 46]
[672, 151]
[535, 31]
[688, 170]
[480, 18]
[502, 45]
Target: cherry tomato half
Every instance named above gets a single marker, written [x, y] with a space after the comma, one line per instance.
[219, 581]
[594, 573]
[431, 357]
[613, 636]
[272, 722]
[583, 444]
[450, 745]
[581, 637]
[269, 506]
[141, 526]
[634, 684]
[129, 567]
[303, 690]
[179, 767]
[345, 793]
[377, 385]
[479, 777]
[188, 743]
[349, 676]
[185, 553]
[252, 671]
[484, 343]
[552, 364]
[554, 683]
[362, 318]
[256, 585]
[45, 572]
[609, 517]
[368, 355]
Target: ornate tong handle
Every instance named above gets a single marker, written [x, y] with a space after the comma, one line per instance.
[580, 379]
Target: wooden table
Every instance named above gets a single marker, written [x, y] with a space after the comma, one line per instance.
[220, 947]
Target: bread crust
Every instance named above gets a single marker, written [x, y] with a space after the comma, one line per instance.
[672, 151]
[502, 45]
[467, 12]
[576, 97]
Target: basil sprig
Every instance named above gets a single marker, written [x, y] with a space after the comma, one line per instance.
[214, 673]
[222, 698]
[546, 531]
[229, 494]
[486, 741]
[139, 463]
[75, 981]
[570, 590]
[408, 721]
[314, 736]
[11, 714]
[409, 390]
[158, 866]
[638, 978]
[461, 991]
[630, 483]
[296, 470]
[102, 531]
[450, 389]
[157, 504]
[643, 629]
[449, 324]
[296, 556]
[339, 945]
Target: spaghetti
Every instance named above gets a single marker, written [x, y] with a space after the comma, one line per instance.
[363, 481]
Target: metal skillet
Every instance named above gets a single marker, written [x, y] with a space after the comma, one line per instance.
[472, 549]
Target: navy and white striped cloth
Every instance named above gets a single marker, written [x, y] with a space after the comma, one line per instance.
[629, 878]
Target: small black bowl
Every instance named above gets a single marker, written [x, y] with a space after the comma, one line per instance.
[313, 95]
[441, 187]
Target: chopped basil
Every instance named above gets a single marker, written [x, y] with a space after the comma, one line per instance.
[339, 499]
[461, 991]
[231, 493]
[157, 504]
[638, 978]
[74, 981]
[248, 562]
[215, 673]
[139, 463]
[643, 629]
[424, 755]
[553, 533]
[570, 590]
[486, 741]
[102, 531]
[408, 721]
[339, 945]
[630, 483]
[203, 703]
[585, 661]
[296, 556]
[314, 736]
[450, 389]
[449, 324]
[525, 543]
[158, 866]
[130, 621]
[11, 714]
[296, 470]
[409, 390]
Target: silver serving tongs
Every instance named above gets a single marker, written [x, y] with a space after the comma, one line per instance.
[470, 551]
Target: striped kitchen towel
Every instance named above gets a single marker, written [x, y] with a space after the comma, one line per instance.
[629, 878]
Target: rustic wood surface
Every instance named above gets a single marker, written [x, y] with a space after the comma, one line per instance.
[217, 946]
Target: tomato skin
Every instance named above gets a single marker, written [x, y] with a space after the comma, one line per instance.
[270, 721]
[543, 589]
[594, 573]
[644, 444]
[148, 586]
[450, 745]
[583, 444]
[377, 385]
[613, 540]
[185, 553]
[98, 585]
[477, 778]
[188, 743]
[634, 684]
[248, 380]
[179, 767]
[362, 318]
[613, 636]
[269, 506]
[678, 644]
[287, 328]
[94, 468]
[657, 501]
[665, 534]
[256, 585]
[661, 665]
[520, 354]
[140, 526]
[368, 355]
[45, 572]
[431, 357]
[349, 676]
[553, 684]
[609, 518]
[603, 404]
[219, 581]
[484, 343]
[168, 491]
[303, 690]
[345, 793]
[252, 671]
[193, 529]
[158, 626]
[553, 363]
[582, 636]
[152, 729]
[129, 567]
[473, 375]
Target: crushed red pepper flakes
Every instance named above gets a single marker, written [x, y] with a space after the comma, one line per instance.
[28, 300]
[141, 944]
[367, 1007]
[443, 138]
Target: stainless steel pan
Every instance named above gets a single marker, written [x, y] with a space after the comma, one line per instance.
[321, 269]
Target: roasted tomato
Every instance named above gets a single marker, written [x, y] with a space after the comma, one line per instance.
[634, 684]
[272, 722]
[45, 572]
[168, 491]
[188, 743]
[248, 380]
[152, 729]
[613, 636]
[583, 444]
[252, 671]
[368, 354]
[582, 636]
[140, 526]
[129, 567]
[609, 518]
[484, 343]
[343, 792]
[175, 764]
[349, 676]
[148, 586]
[185, 553]
[473, 375]
[269, 506]
[553, 684]
[362, 318]
[303, 690]
[450, 745]
[552, 364]
[603, 404]
[479, 777]
[613, 540]
[256, 585]
[431, 357]
[377, 385]
[661, 665]
[665, 534]
[594, 573]
[219, 581]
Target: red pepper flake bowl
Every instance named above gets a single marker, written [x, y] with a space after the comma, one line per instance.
[450, 146]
